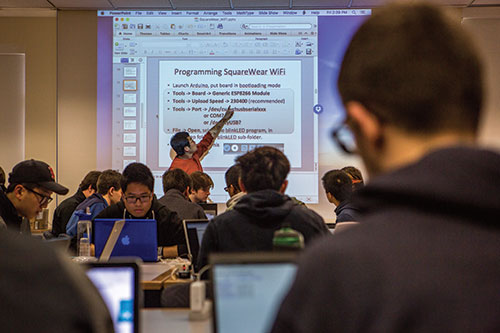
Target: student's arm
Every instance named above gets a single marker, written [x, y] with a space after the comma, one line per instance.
[171, 234]
[170, 251]
[72, 223]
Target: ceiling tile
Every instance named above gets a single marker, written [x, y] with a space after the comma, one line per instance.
[201, 4]
[156, 4]
[256, 4]
[25, 4]
[320, 3]
[81, 4]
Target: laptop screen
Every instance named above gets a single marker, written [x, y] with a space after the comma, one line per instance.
[118, 287]
[194, 230]
[248, 296]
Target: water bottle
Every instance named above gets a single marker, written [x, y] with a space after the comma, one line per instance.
[287, 239]
[84, 232]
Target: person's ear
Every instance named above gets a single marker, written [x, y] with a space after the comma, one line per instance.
[18, 191]
[242, 186]
[363, 122]
[187, 191]
[283, 187]
[186, 149]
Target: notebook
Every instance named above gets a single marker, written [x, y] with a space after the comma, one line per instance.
[118, 284]
[248, 289]
[193, 231]
[136, 239]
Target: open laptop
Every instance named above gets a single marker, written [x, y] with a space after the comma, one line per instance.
[137, 238]
[248, 289]
[118, 284]
[193, 231]
[210, 209]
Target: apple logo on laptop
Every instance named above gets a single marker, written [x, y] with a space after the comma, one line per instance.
[126, 240]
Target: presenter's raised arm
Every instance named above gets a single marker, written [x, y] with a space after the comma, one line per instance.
[218, 127]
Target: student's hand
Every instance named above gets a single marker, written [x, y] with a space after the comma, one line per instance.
[229, 114]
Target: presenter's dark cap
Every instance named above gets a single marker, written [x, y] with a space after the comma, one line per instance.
[36, 172]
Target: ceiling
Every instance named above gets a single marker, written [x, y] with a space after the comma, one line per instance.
[216, 4]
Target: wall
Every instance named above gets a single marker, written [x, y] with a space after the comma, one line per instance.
[12, 95]
[36, 38]
[484, 25]
[77, 95]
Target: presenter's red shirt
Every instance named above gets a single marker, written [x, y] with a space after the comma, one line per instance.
[193, 164]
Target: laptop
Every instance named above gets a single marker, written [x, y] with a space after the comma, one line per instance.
[137, 238]
[248, 289]
[193, 231]
[210, 209]
[118, 284]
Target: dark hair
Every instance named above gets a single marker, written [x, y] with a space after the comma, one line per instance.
[201, 181]
[137, 173]
[338, 183]
[263, 168]
[413, 67]
[176, 178]
[90, 179]
[353, 172]
[108, 179]
[232, 175]
[2, 177]
[179, 141]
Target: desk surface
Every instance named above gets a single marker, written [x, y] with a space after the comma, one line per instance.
[154, 276]
[172, 320]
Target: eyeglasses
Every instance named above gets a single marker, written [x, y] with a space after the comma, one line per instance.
[132, 199]
[344, 139]
[45, 198]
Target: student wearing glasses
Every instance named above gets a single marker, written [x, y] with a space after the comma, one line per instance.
[31, 184]
[139, 202]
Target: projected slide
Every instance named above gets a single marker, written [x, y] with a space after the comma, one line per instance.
[161, 72]
[265, 95]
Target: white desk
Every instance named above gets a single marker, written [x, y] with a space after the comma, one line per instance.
[172, 320]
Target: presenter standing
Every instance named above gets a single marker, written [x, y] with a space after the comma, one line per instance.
[190, 154]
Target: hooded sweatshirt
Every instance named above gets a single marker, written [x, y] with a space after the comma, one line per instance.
[424, 257]
[251, 224]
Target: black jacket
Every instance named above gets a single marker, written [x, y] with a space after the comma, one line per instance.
[425, 256]
[169, 226]
[13, 221]
[346, 211]
[63, 212]
[177, 202]
[251, 224]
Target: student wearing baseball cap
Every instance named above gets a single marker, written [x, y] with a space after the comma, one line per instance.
[31, 184]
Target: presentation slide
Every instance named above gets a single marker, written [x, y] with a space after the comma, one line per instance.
[265, 96]
[162, 72]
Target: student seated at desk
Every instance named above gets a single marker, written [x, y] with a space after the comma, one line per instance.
[251, 224]
[139, 202]
[108, 192]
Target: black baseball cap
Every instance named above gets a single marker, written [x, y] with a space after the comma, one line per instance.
[36, 172]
